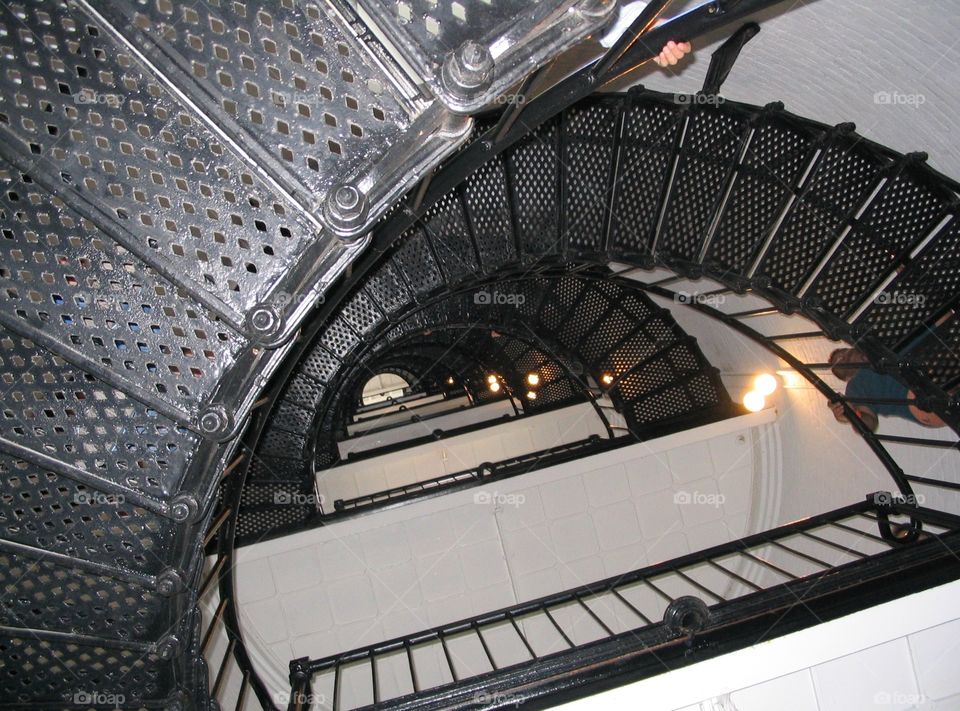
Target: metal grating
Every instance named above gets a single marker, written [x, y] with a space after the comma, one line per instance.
[842, 184]
[772, 166]
[707, 156]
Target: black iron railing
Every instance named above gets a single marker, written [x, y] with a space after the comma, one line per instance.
[485, 472]
[671, 610]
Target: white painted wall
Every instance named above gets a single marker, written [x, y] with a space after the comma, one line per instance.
[827, 60]
[455, 454]
[372, 578]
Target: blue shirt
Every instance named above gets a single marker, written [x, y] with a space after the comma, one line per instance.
[867, 383]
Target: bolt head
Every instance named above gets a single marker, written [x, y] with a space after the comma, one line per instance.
[347, 197]
[264, 319]
[468, 71]
[183, 508]
[211, 421]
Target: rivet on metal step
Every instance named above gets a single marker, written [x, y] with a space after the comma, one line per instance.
[169, 582]
[265, 322]
[167, 647]
[216, 422]
[345, 209]
[183, 508]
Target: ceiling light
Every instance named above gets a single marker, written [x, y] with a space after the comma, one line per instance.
[606, 379]
[754, 401]
[533, 379]
[494, 387]
[491, 378]
[765, 384]
[450, 380]
[531, 395]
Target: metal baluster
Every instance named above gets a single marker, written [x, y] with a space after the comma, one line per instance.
[242, 696]
[228, 655]
[630, 605]
[801, 554]
[559, 629]
[735, 576]
[516, 628]
[214, 621]
[336, 686]
[592, 614]
[700, 587]
[446, 653]
[838, 546]
[413, 671]
[483, 643]
[768, 564]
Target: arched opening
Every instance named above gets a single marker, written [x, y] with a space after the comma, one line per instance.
[384, 387]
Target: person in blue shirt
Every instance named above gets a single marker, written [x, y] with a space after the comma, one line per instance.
[868, 383]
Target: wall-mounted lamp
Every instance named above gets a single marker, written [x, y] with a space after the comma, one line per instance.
[754, 401]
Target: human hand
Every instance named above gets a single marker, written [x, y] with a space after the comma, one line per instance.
[672, 53]
[837, 409]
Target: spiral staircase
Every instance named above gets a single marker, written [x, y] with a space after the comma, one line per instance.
[184, 327]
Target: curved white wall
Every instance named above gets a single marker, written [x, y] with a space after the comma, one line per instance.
[827, 59]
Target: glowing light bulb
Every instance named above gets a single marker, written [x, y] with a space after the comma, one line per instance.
[765, 384]
[754, 401]
[450, 380]
[533, 379]
[491, 379]
[531, 395]
[606, 379]
[494, 387]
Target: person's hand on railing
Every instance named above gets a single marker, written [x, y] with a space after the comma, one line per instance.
[867, 416]
[673, 53]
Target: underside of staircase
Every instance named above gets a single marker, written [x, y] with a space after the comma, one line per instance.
[170, 272]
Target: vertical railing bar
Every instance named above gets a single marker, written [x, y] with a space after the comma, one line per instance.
[801, 554]
[373, 678]
[768, 564]
[559, 629]
[516, 627]
[446, 653]
[211, 576]
[700, 587]
[336, 686]
[227, 656]
[833, 544]
[735, 576]
[242, 696]
[630, 605]
[592, 614]
[214, 621]
[413, 671]
[858, 532]
[657, 590]
[483, 643]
